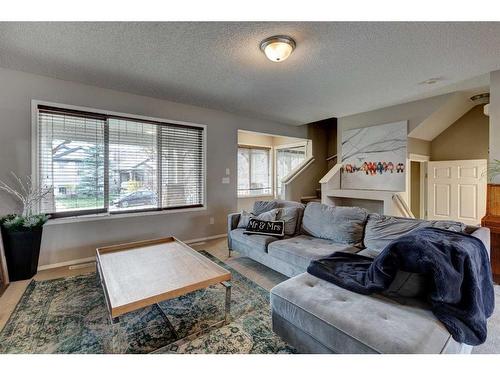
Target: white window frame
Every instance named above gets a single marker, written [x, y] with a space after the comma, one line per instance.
[304, 143]
[35, 170]
[271, 171]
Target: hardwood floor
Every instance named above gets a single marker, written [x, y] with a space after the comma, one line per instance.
[256, 272]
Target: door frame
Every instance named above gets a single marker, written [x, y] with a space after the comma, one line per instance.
[422, 159]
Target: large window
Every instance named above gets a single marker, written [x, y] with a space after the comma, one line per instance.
[97, 163]
[287, 159]
[254, 177]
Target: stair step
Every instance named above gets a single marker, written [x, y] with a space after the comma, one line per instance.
[306, 200]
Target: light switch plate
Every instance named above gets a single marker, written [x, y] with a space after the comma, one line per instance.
[228, 172]
[225, 180]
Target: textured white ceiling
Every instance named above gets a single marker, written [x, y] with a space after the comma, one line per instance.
[336, 70]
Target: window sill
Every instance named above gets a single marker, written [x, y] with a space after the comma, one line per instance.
[108, 216]
[255, 196]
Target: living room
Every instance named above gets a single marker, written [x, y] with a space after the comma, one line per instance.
[247, 187]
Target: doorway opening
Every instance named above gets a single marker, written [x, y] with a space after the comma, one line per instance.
[417, 184]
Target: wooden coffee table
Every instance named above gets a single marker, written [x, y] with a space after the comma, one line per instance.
[139, 274]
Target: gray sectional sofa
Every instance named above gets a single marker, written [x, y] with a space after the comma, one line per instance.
[316, 316]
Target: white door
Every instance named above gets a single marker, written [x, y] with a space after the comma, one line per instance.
[456, 190]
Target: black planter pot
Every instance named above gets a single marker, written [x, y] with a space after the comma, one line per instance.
[22, 249]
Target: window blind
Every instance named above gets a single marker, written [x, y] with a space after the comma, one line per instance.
[133, 165]
[71, 161]
[181, 166]
[100, 163]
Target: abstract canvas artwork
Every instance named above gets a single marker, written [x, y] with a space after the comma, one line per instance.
[374, 158]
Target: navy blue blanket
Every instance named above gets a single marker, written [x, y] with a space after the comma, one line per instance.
[457, 265]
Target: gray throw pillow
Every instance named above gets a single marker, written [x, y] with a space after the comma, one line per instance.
[381, 230]
[339, 224]
[260, 207]
[290, 215]
[246, 216]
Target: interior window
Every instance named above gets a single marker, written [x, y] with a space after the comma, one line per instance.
[287, 159]
[254, 176]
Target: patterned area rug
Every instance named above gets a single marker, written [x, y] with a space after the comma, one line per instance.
[69, 316]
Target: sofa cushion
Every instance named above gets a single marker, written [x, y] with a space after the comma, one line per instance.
[260, 207]
[290, 215]
[381, 230]
[266, 216]
[339, 224]
[301, 250]
[283, 203]
[255, 241]
[347, 322]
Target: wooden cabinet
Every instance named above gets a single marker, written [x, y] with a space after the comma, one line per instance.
[492, 221]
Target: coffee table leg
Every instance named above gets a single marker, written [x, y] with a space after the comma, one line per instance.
[101, 279]
[227, 313]
[169, 323]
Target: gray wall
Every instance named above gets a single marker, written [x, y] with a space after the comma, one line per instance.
[465, 139]
[494, 141]
[73, 240]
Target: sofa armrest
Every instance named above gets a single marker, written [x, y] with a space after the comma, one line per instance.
[484, 235]
[232, 223]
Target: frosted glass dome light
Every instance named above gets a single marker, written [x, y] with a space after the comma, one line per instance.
[278, 48]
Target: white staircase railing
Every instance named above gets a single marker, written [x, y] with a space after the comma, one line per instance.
[293, 174]
[331, 174]
[292, 186]
[402, 206]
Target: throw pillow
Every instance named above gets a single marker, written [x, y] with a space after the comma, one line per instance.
[290, 215]
[268, 228]
[381, 230]
[260, 207]
[246, 216]
[339, 224]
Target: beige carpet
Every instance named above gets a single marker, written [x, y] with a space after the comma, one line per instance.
[492, 344]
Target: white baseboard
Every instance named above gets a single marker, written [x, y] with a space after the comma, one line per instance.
[67, 263]
[92, 259]
[206, 238]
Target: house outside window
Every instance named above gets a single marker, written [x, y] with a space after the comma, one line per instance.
[254, 171]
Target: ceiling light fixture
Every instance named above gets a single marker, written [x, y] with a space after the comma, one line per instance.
[278, 48]
[483, 98]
